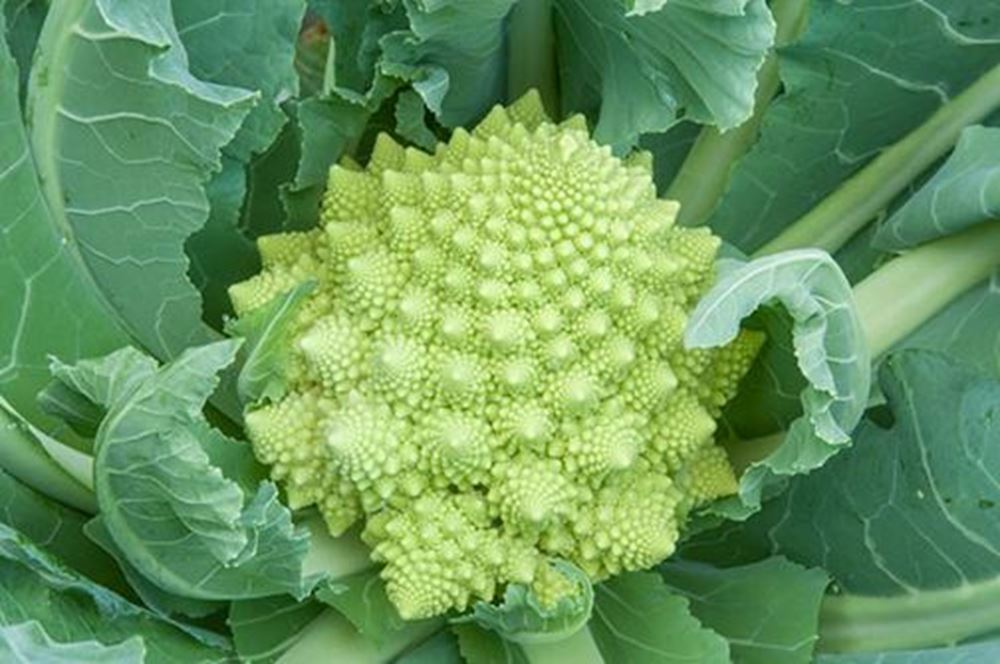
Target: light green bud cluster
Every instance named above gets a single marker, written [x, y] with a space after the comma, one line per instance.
[490, 371]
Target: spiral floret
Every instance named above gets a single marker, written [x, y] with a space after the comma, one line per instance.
[490, 372]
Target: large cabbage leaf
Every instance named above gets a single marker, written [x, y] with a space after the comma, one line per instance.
[637, 74]
[908, 529]
[124, 171]
[830, 350]
[77, 610]
[862, 76]
[180, 502]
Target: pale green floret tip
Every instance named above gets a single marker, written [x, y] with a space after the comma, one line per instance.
[489, 372]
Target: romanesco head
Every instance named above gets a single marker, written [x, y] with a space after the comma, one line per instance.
[490, 371]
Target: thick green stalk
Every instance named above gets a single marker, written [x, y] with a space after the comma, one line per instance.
[903, 294]
[847, 210]
[579, 648]
[850, 623]
[702, 179]
[531, 48]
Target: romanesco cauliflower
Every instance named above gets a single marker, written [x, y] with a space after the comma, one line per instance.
[490, 371]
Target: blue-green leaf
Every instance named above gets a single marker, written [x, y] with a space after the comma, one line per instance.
[50, 304]
[968, 329]
[267, 332]
[768, 610]
[453, 53]
[411, 123]
[641, 74]
[124, 170]
[965, 191]
[904, 521]
[861, 77]
[27, 643]
[977, 653]
[637, 618]
[182, 503]
[250, 45]
[483, 646]
[263, 629]
[155, 598]
[521, 617]
[57, 528]
[830, 349]
[72, 608]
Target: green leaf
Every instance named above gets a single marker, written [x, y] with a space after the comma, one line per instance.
[105, 380]
[521, 618]
[908, 527]
[263, 629]
[968, 329]
[411, 123]
[24, 22]
[50, 304]
[768, 610]
[356, 27]
[829, 347]
[641, 74]
[81, 414]
[208, 528]
[861, 77]
[669, 149]
[28, 643]
[768, 400]
[962, 193]
[453, 54]
[361, 598]
[268, 332]
[638, 619]
[442, 648]
[221, 252]
[978, 653]
[71, 608]
[482, 646]
[263, 210]
[57, 528]
[932, 468]
[331, 128]
[250, 45]
[124, 170]
[155, 598]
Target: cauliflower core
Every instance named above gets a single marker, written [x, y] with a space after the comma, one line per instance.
[490, 371]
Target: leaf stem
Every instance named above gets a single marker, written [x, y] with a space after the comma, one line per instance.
[851, 623]
[904, 293]
[847, 210]
[531, 53]
[702, 178]
[579, 648]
